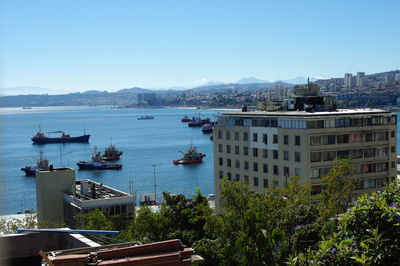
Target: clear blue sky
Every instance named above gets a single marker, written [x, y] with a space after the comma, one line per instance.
[109, 45]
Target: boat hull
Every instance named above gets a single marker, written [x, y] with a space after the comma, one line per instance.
[88, 166]
[193, 161]
[30, 170]
[84, 138]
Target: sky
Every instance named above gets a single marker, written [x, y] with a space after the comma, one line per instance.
[69, 46]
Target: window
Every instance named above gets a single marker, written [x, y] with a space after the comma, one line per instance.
[355, 138]
[246, 178]
[382, 151]
[246, 150]
[393, 149]
[297, 140]
[236, 149]
[221, 162]
[370, 152]
[380, 167]
[275, 154]
[219, 134]
[245, 136]
[380, 182]
[220, 147]
[392, 134]
[314, 173]
[355, 154]
[276, 172]
[315, 157]
[236, 135]
[297, 171]
[370, 183]
[328, 140]
[265, 168]
[286, 139]
[341, 139]
[255, 167]
[315, 141]
[328, 156]
[286, 171]
[237, 164]
[393, 164]
[343, 153]
[221, 174]
[369, 168]
[286, 155]
[237, 177]
[228, 162]
[265, 183]
[228, 148]
[246, 165]
[228, 135]
[229, 174]
[255, 137]
[275, 139]
[369, 137]
[255, 152]
[382, 136]
[256, 181]
[265, 153]
[265, 138]
[297, 156]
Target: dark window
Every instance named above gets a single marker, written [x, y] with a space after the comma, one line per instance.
[246, 178]
[265, 183]
[228, 135]
[255, 152]
[237, 163]
[265, 168]
[265, 138]
[392, 134]
[228, 148]
[328, 140]
[393, 149]
[276, 172]
[245, 136]
[297, 140]
[315, 157]
[256, 181]
[221, 174]
[228, 162]
[236, 135]
[229, 176]
[275, 154]
[297, 156]
[246, 165]
[220, 147]
[219, 134]
[265, 153]
[286, 171]
[246, 150]
[255, 167]
[393, 164]
[221, 161]
[286, 139]
[255, 137]
[286, 155]
[237, 177]
[236, 149]
[275, 139]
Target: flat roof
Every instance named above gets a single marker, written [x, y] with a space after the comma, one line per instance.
[96, 191]
[338, 112]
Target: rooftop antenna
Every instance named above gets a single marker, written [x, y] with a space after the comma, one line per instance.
[155, 184]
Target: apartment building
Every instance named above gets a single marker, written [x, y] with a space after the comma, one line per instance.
[303, 138]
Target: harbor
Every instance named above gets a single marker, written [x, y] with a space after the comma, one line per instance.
[144, 143]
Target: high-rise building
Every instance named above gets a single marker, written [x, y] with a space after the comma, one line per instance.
[360, 80]
[303, 137]
[348, 81]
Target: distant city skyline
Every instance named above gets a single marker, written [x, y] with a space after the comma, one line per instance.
[69, 46]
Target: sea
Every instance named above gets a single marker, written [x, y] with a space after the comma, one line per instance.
[149, 147]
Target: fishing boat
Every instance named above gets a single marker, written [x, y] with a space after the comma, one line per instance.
[186, 119]
[145, 117]
[41, 138]
[207, 128]
[96, 163]
[111, 153]
[41, 164]
[191, 156]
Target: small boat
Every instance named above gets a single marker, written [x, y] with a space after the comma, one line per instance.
[186, 119]
[145, 117]
[26, 107]
[191, 156]
[41, 138]
[41, 164]
[198, 122]
[96, 163]
[111, 153]
[207, 128]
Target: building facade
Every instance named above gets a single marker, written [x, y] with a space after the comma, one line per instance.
[266, 148]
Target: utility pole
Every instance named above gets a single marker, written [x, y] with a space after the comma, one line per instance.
[155, 184]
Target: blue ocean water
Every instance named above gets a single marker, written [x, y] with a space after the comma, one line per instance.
[143, 142]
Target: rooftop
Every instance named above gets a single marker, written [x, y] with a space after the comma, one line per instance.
[89, 190]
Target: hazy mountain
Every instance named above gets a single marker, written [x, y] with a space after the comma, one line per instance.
[210, 83]
[133, 90]
[251, 80]
[299, 80]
